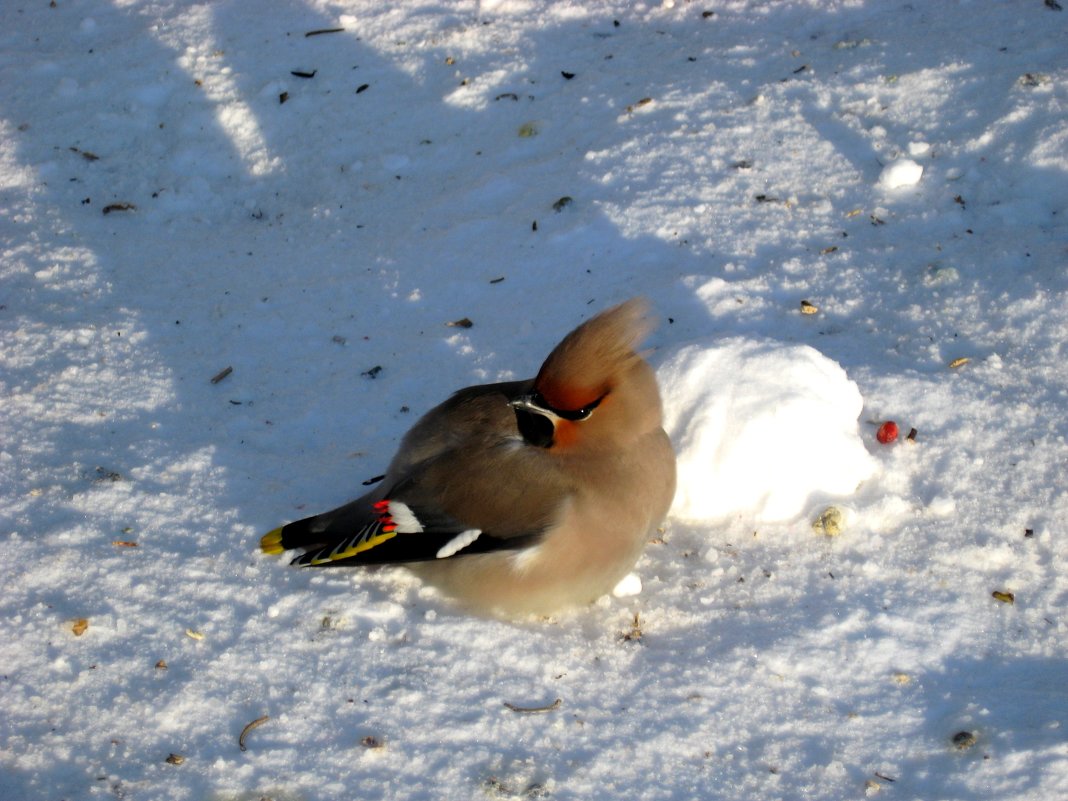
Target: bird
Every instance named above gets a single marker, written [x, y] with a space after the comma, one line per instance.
[521, 497]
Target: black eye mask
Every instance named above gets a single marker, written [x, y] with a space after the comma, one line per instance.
[567, 414]
[534, 416]
[537, 429]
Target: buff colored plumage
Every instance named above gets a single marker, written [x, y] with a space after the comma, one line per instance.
[519, 497]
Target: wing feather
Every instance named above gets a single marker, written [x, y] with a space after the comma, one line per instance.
[473, 487]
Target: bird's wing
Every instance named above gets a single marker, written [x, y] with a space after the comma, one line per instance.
[484, 490]
[397, 534]
[390, 530]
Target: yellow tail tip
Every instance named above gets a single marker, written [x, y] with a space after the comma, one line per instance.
[271, 542]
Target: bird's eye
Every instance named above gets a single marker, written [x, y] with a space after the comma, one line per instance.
[574, 415]
[583, 413]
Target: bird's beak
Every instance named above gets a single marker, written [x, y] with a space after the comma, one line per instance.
[529, 403]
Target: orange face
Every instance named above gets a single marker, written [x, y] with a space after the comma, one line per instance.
[561, 398]
[569, 412]
[566, 434]
[546, 424]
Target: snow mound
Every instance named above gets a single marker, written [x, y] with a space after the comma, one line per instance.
[900, 173]
[760, 429]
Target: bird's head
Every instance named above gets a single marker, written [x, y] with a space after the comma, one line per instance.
[594, 390]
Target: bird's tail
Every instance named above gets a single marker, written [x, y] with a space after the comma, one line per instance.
[342, 533]
[271, 542]
[299, 534]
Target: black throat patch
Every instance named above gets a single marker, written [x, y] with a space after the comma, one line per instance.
[537, 429]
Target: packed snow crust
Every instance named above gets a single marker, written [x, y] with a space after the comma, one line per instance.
[762, 430]
[189, 187]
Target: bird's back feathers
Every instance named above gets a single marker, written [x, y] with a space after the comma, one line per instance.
[438, 477]
[524, 495]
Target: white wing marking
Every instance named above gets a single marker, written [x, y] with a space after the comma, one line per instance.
[458, 543]
[404, 518]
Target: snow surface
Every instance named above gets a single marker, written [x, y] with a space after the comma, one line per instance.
[761, 430]
[722, 158]
[903, 172]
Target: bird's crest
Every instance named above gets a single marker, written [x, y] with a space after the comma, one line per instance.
[583, 367]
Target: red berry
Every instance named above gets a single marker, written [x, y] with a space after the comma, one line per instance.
[887, 432]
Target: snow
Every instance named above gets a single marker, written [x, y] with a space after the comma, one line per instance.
[760, 429]
[903, 172]
[723, 159]
[630, 584]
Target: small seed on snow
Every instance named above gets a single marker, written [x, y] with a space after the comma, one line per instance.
[829, 522]
[248, 728]
[964, 740]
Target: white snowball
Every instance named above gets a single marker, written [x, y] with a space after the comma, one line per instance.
[629, 585]
[903, 172]
[760, 429]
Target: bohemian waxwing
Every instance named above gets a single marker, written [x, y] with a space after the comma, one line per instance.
[519, 497]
